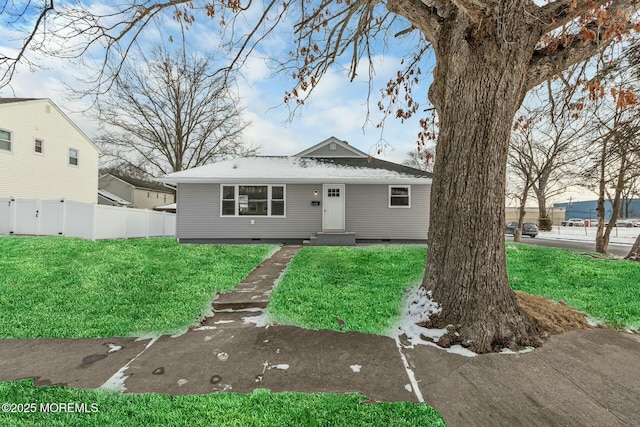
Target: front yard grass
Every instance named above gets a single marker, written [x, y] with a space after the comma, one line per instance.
[363, 285]
[260, 408]
[608, 290]
[69, 288]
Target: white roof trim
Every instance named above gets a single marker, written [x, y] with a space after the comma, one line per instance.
[330, 140]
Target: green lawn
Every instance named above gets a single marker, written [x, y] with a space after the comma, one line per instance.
[607, 290]
[62, 287]
[260, 408]
[363, 285]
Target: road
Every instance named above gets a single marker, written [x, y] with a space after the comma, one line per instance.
[614, 249]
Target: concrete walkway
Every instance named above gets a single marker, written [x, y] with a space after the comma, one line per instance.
[581, 378]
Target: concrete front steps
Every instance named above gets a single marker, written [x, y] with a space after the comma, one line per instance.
[339, 238]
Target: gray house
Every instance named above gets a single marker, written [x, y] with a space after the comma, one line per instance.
[329, 194]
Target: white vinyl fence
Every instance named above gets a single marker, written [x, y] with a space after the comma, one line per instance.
[84, 220]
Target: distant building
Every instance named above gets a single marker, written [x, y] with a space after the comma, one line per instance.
[43, 154]
[556, 214]
[118, 190]
[629, 208]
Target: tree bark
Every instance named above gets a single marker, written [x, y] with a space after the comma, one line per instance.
[479, 84]
[634, 253]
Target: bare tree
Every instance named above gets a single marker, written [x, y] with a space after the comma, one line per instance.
[489, 55]
[520, 166]
[166, 112]
[422, 159]
[547, 139]
[614, 145]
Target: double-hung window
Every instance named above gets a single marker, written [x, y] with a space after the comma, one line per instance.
[5, 140]
[73, 156]
[253, 200]
[399, 196]
[38, 146]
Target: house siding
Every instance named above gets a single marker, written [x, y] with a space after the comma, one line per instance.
[148, 199]
[326, 151]
[199, 215]
[118, 187]
[26, 174]
[367, 214]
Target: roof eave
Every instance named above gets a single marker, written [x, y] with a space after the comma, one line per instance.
[332, 180]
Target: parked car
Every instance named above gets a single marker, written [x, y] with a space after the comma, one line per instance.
[627, 223]
[528, 229]
[573, 222]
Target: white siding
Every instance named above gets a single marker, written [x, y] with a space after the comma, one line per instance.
[26, 174]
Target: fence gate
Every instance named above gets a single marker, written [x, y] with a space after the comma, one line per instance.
[5, 216]
[26, 219]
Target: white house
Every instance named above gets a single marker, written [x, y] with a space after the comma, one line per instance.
[43, 154]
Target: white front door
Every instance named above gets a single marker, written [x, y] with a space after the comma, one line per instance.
[333, 211]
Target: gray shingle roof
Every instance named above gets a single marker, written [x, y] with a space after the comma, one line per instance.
[10, 100]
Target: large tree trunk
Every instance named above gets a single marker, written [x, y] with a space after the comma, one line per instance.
[478, 87]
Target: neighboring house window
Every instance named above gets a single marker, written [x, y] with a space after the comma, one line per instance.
[157, 195]
[148, 194]
[253, 200]
[73, 156]
[39, 146]
[165, 198]
[399, 196]
[5, 140]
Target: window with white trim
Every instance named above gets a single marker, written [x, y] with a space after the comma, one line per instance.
[5, 140]
[252, 200]
[399, 196]
[73, 156]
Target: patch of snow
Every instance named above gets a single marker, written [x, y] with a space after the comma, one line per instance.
[116, 382]
[355, 368]
[408, 388]
[523, 351]
[261, 321]
[418, 308]
[284, 169]
[410, 373]
[205, 328]
[223, 356]
[182, 382]
[208, 338]
[619, 235]
[593, 322]
[247, 310]
[221, 322]
[511, 247]
[281, 366]
[460, 350]
[113, 348]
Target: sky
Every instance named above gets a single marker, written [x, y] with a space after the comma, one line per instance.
[337, 107]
